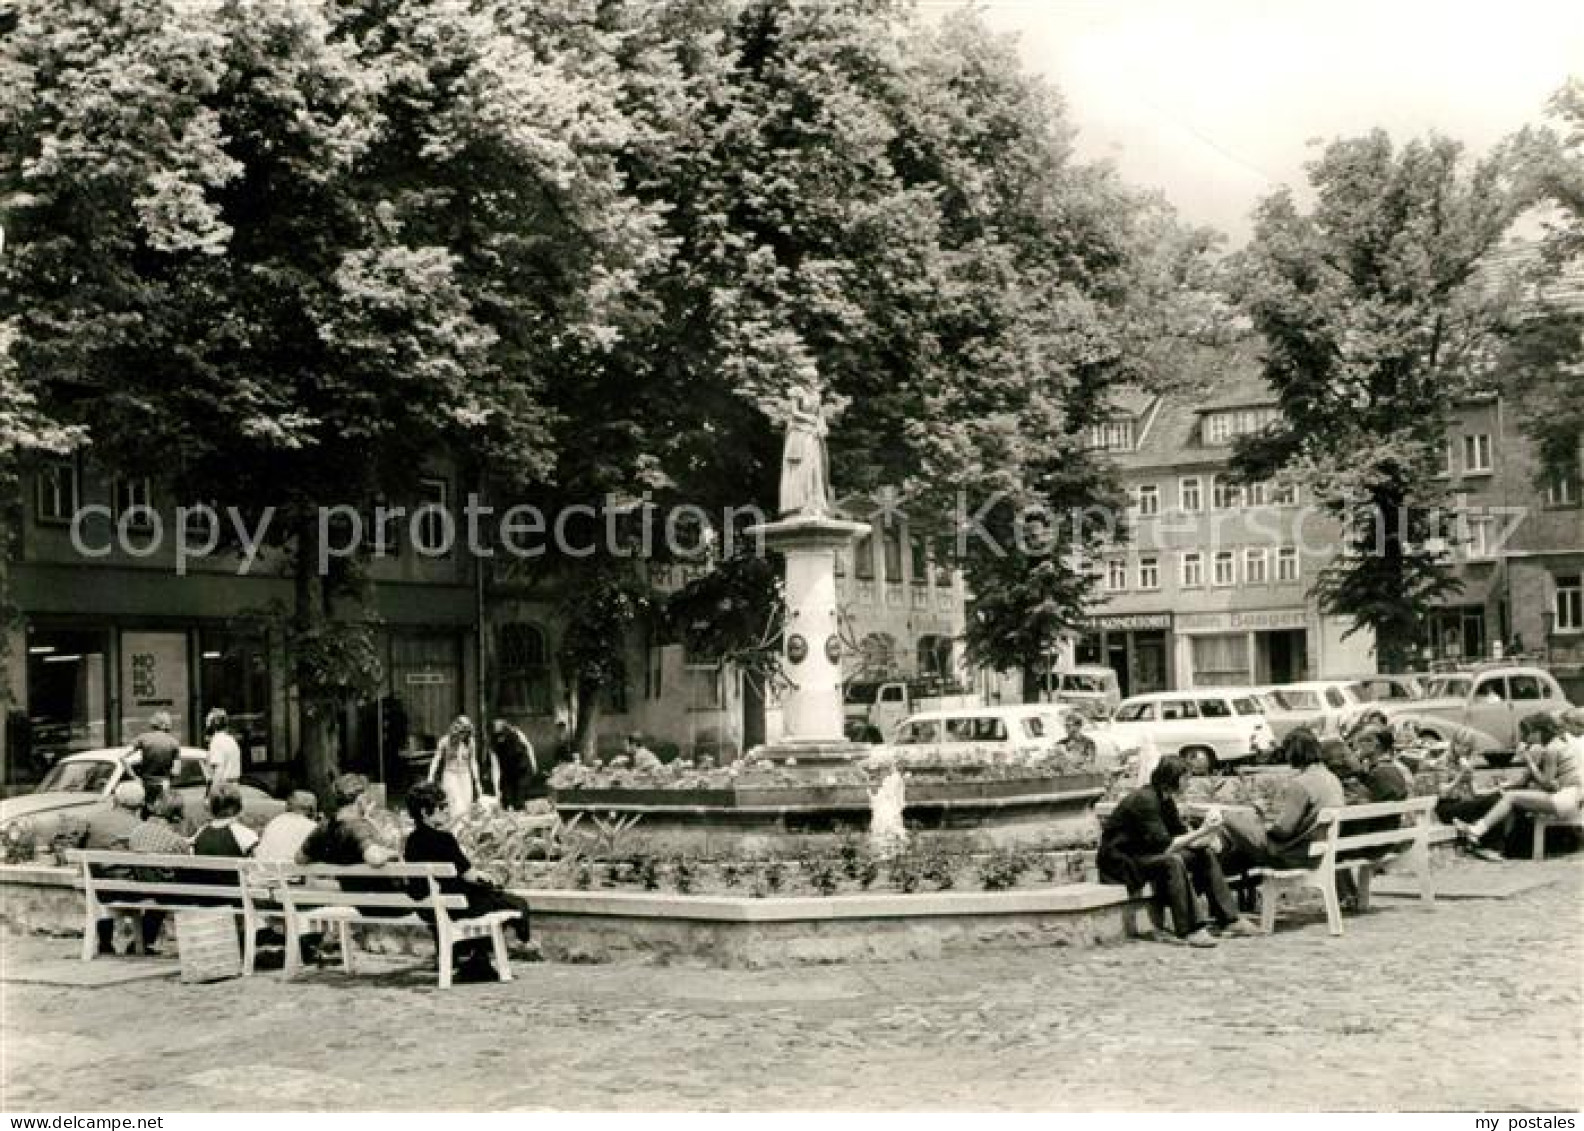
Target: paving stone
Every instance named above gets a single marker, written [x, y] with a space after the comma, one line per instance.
[1467, 1005]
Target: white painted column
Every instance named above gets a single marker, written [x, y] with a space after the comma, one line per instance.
[812, 706]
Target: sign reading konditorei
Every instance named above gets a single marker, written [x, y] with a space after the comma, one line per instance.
[1237, 620]
[1130, 622]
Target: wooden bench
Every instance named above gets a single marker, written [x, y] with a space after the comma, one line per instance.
[1332, 847]
[313, 901]
[197, 883]
[1544, 821]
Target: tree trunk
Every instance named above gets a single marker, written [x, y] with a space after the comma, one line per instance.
[315, 717]
[1031, 683]
[587, 704]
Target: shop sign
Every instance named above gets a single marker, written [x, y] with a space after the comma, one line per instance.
[1130, 622]
[1253, 620]
[154, 678]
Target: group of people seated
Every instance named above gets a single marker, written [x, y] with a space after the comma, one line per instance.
[1146, 840]
[297, 835]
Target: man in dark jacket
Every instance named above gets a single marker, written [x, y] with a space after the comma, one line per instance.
[518, 765]
[1146, 841]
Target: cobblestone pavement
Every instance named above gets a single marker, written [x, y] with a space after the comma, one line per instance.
[1470, 1004]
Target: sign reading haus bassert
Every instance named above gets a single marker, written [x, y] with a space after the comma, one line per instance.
[1252, 620]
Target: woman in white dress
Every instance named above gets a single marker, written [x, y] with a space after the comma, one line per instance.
[456, 767]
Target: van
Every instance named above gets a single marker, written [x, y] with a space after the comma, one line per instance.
[1092, 687]
[980, 733]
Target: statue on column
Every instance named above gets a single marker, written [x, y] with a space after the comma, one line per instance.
[805, 474]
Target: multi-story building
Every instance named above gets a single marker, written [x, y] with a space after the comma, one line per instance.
[116, 624]
[1518, 550]
[1211, 586]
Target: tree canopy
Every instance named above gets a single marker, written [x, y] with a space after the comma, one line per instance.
[1376, 321]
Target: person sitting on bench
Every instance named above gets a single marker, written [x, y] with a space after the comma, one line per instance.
[431, 842]
[1146, 840]
[1284, 843]
[1549, 782]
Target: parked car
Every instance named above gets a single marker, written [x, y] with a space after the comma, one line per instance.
[1222, 725]
[79, 783]
[999, 733]
[1491, 703]
[1091, 687]
[1385, 688]
[1324, 706]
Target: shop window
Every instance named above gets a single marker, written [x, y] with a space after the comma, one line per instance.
[522, 683]
[1221, 660]
[1569, 605]
[1149, 573]
[66, 704]
[234, 674]
[55, 492]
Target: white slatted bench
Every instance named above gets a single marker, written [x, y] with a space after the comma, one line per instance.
[313, 901]
[1332, 846]
[1544, 821]
[199, 883]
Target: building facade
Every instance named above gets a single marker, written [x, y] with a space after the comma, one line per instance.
[1210, 587]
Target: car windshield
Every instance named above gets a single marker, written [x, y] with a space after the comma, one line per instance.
[89, 776]
[1133, 712]
[1449, 687]
[1092, 684]
[1248, 706]
[189, 771]
[1290, 700]
[920, 731]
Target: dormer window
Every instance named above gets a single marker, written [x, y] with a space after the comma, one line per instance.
[1112, 436]
[1222, 425]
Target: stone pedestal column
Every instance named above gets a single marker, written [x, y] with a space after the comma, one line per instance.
[811, 706]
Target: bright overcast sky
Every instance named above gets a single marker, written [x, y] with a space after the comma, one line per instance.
[1213, 101]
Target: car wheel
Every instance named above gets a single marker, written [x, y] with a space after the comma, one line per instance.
[1191, 753]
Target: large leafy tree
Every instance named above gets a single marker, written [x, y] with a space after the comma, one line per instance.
[1543, 372]
[278, 256]
[1375, 321]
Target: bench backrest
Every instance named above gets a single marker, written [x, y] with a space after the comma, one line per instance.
[1331, 838]
[304, 887]
[110, 877]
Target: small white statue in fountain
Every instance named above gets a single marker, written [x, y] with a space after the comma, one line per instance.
[887, 833]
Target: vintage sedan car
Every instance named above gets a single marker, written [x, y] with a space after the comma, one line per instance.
[1221, 726]
[995, 735]
[79, 783]
[1487, 703]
